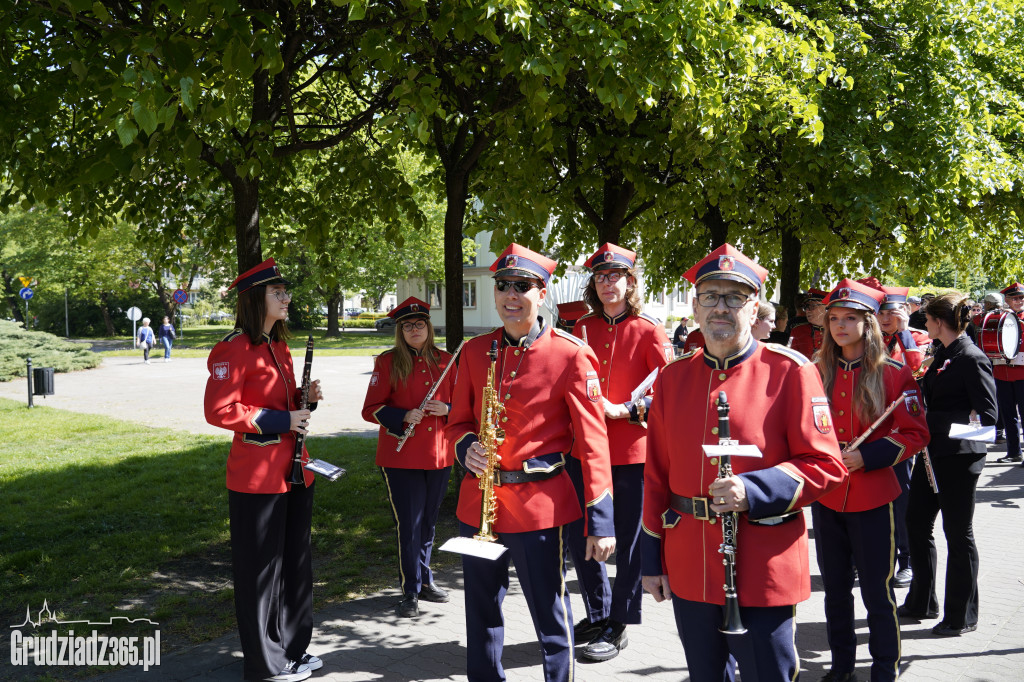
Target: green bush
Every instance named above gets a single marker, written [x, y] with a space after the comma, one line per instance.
[46, 350]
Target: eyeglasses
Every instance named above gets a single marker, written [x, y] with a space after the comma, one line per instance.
[281, 295]
[502, 285]
[414, 326]
[612, 277]
[710, 300]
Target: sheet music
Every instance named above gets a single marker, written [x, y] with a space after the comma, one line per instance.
[973, 431]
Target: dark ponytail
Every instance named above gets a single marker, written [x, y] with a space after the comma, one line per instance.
[952, 310]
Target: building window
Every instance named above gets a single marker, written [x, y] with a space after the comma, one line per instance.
[434, 295]
[469, 294]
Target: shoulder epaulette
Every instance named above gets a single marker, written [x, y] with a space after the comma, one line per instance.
[587, 316]
[685, 356]
[650, 318]
[895, 363]
[385, 352]
[794, 355]
[566, 335]
[232, 335]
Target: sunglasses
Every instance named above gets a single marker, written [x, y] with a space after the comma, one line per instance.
[502, 285]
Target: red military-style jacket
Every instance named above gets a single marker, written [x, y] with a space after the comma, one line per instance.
[427, 447]
[899, 437]
[1004, 370]
[251, 391]
[778, 404]
[694, 342]
[908, 347]
[552, 396]
[628, 349]
[806, 339]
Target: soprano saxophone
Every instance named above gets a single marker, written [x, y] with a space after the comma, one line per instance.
[491, 436]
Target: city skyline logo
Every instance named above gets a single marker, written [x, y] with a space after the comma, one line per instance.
[45, 615]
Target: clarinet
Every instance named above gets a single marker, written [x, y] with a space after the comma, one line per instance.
[731, 622]
[297, 477]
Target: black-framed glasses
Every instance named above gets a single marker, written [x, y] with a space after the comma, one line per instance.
[710, 300]
[612, 277]
[502, 285]
[282, 295]
[414, 326]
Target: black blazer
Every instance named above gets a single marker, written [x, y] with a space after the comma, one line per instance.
[958, 381]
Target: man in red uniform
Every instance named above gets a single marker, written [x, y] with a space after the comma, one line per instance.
[547, 382]
[629, 345]
[805, 337]
[1009, 375]
[779, 405]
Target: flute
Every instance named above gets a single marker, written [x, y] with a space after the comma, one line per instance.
[856, 443]
[411, 428]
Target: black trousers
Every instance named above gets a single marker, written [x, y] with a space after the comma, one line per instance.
[957, 478]
[273, 574]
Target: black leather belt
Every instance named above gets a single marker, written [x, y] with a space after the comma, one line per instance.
[700, 509]
[506, 477]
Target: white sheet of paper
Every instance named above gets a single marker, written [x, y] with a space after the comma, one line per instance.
[477, 548]
[973, 431]
[732, 450]
[645, 385]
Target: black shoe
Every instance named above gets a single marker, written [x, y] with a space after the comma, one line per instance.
[409, 607]
[293, 672]
[945, 630]
[586, 630]
[1000, 440]
[906, 612]
[903, 577]
[836, 676]
[608, 644]
[433, 593]
[311, 661]
[1009, 459]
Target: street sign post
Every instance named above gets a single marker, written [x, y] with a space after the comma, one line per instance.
[25, 294]
[134, 314]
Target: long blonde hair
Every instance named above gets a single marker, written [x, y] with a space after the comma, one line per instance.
[402, 360]
[869, 395]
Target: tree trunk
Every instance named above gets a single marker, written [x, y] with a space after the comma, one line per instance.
[789, 270]
[716, 226]
[618, 193]
[333, 303]
[105, 309]
[456, 195]
[247, 222]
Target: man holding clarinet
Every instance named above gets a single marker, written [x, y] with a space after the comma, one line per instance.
[778, 405]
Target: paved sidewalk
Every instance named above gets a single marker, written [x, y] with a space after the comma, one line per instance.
[363, 640]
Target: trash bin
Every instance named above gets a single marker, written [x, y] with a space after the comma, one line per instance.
[42, 380]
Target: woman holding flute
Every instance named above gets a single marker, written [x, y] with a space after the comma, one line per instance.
[252, 391]
[957, 386]
[854, 524]
[412, 451]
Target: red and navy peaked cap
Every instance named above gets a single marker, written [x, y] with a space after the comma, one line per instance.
[816, 295]
[853, 294]
[726, 262]
[1015, 289]
[573, 310]
[895, 297]
[410, 308]
[519, 261]
[611, 256]
[264, 273]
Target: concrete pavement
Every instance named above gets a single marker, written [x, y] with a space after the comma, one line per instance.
[363, 640]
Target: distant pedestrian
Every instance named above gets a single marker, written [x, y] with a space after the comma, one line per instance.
[145, 339]
[167, 337]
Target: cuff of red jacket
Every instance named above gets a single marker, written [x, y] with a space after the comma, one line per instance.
[634, 410]
[272, 421]
[462, 446]
[392, 419]
[770, 492]
[600, 517]
[881, 453]
[650, 553]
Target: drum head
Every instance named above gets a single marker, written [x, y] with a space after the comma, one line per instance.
[1009, 335]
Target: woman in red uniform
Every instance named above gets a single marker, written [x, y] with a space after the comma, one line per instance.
[417, 475]
[252, 391]
[854, 524]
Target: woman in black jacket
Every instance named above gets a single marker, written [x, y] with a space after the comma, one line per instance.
[958, 385]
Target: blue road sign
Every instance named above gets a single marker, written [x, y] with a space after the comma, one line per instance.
[180, 297]
[25, 293]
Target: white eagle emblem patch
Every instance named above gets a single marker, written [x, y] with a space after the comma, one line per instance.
[374, 378]
[221, 371]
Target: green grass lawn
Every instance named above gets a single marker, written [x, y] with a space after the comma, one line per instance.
[103, 517]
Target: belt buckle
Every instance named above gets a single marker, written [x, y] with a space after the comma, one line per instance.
[497, 478]
[701, 515]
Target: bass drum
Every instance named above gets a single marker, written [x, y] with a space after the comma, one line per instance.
[999, 334]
